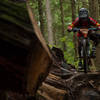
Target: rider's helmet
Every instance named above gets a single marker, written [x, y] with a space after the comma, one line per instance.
[83, 14]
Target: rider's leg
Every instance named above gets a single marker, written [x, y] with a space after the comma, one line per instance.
[94, 38]
[97, 39]
[93, 52]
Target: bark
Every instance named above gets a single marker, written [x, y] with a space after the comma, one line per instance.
[96, 16]
[84, 87]
[63, 24]
[49, 22]
[78, 5]
[23, 50]
[73, 5]
[97, 60]
[90, 8]
[84, 3]
[94, 12]
[41, 17]
[99, 8]
[94, 9]
[49, 92]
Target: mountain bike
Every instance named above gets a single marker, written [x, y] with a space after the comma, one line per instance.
[85, 46]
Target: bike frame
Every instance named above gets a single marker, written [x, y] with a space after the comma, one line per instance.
[85, 51]
[85, 46]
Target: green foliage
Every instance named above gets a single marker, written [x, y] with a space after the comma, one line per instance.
[51, 46]
[68, 38]
[57, 26]
[63, 39]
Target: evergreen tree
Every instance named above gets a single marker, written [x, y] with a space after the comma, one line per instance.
[49, 23]
[63, 23]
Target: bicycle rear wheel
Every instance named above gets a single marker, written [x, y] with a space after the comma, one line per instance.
[85, 57]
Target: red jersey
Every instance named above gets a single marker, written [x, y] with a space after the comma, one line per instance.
[78, 23]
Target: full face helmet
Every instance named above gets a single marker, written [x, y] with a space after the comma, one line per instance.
[83, 14]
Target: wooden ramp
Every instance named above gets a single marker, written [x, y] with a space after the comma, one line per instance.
[24, 55]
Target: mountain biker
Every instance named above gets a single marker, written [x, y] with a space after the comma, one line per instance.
[83, 20]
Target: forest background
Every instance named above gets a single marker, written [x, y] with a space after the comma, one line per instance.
[53, 17]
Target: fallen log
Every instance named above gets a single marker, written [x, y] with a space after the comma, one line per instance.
[76, 86]
[54, 86]
[24, 56]
[51, 93]
[84, 86]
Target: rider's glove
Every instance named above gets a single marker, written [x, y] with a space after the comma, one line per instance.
[69, 29]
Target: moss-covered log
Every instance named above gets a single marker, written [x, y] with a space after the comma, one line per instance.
[24, 62]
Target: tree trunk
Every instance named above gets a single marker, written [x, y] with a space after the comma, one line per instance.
[62, 21]
[73, 18]
[99, 8]
[41, 17]
[73, 9]
[94, 9]
[96, 16]
[90, 8]
[78, 5]
[84, 3]
[49, 22]
[94, 12]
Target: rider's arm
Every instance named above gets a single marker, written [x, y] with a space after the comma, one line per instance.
[94, 22]
[74, 23]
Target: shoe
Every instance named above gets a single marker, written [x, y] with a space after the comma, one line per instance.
[80, 66]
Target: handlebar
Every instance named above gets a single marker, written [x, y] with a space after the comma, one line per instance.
[78, 29]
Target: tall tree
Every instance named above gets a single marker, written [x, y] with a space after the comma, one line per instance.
[49, 22]
[99, 7]
[96, 16]
[78, 1]
[94, 12]
[73, 6]
[73, 9]
[62, 21]
[84, 3]
[90, 7]
[41, 17]
[94, 9]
